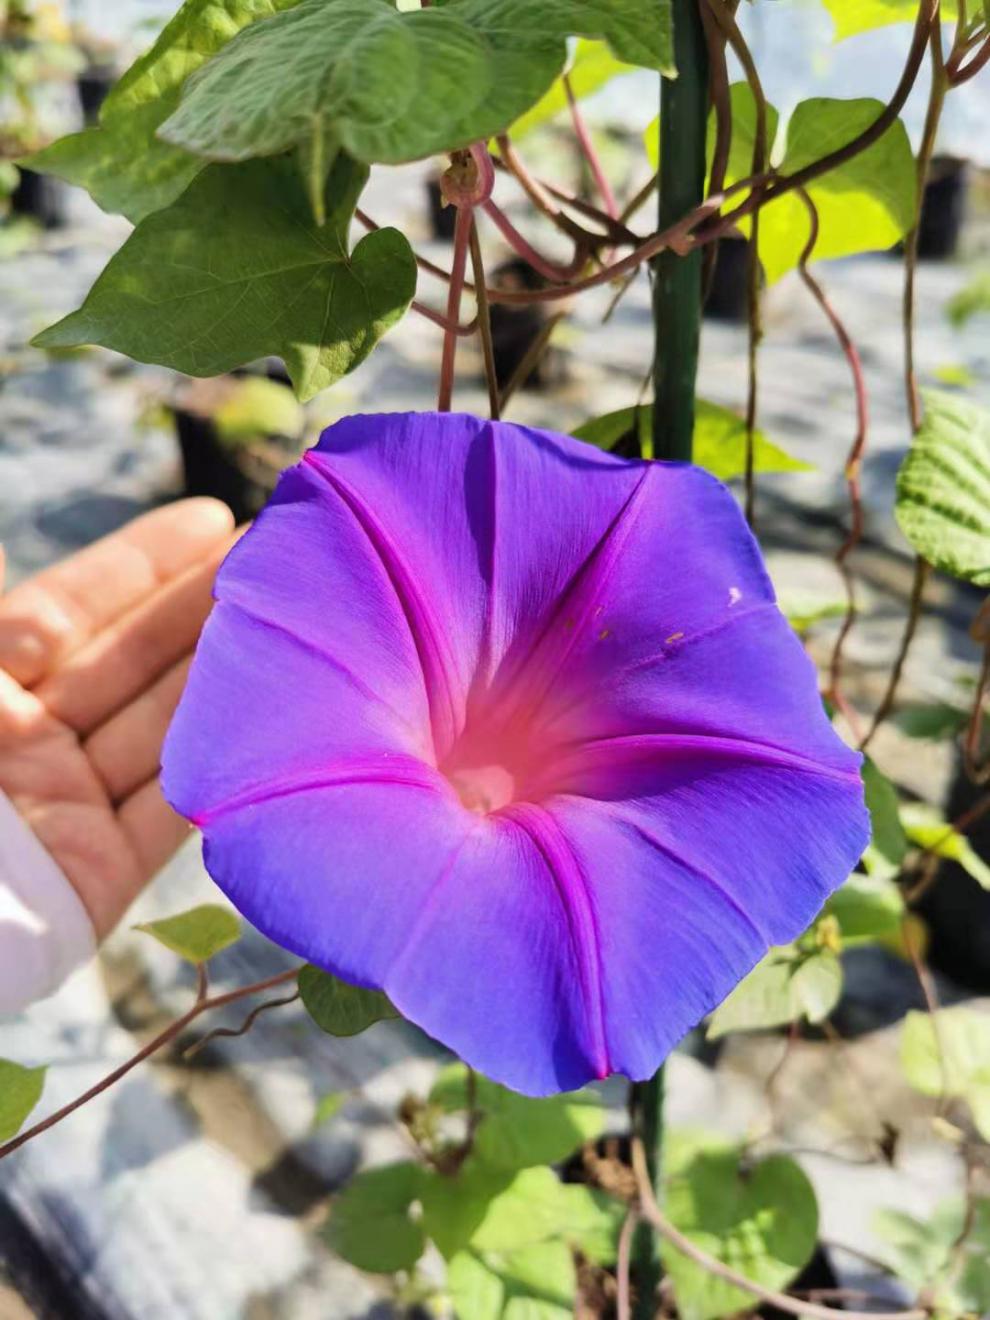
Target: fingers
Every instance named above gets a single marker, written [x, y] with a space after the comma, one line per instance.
[127, 657]
[154, 832]
[126, 750]
[52, 616]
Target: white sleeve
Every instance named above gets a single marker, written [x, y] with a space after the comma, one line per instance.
[45, 932]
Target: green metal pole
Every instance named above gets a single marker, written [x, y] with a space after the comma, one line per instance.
[677, 280]
[677, 287]
[646, 1118]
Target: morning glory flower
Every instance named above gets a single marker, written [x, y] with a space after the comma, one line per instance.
[513, 730]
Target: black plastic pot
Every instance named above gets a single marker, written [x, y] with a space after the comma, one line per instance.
[92, 87]
[212, 468]
[943, 208]
[817, 1276]
[514, 330]
[40, 197]
[442, 218]
[956, 909]
[727, 293]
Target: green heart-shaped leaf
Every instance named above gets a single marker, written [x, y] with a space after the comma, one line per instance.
[236, 270]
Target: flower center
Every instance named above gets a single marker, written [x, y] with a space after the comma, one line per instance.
[484, 788]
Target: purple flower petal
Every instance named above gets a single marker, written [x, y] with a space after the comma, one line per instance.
[480, 527]
[514, 731]
[697, 863]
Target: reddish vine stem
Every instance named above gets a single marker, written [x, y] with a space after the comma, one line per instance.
[550, 270]
[704, 224]
[958, 76]
[921, 569]
[530, 359]
[721, 100]
[583, 136]
[974, 813]
[678, 236]
[718, 77]
[640, 198]
[651, 1211]
[725, 20]
[231, 1032]
[933, 113]
[962, 46]
[929, 859]
[957, 1258]
[484, 324]
[754, 335]
[978, 770]
[203, 1004]
[538, 193]
[783, 183]
[614, 228]
[462, 234]
[544, 194]
[617, 297]
[840, 1046]
[439, 319]
[931, 1004]
[855, 458]
[623, 1254]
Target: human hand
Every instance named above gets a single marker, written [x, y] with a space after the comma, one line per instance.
[93, 658]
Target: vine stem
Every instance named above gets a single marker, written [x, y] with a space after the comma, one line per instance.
[929, 861]
[640, 198]
[462, 235]
[439, 319]
[484, 324]
[550, 270]
[853, 462]
[930, 996]
[588, 150]
[721, 109]
[977, 769]
[726, 22]
[221, 1033]
[721, 98]
[204, 1003]
[624, 1249]
[530, 359]
[933, 114]
[705, 223]
[782, 183]
[964, 72]
[651, 1211]
[544, 196]
[921, 569]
